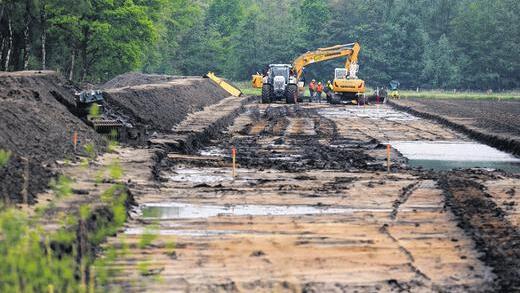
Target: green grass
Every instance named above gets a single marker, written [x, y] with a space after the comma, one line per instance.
[247, 89]
[438, 94]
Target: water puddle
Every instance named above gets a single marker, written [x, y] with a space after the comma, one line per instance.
[165, 211]
[179, 232]
[369, 113]
[446, 155]
[200, 176]
[214, 152]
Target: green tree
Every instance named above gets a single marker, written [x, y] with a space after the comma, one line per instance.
[440, 68]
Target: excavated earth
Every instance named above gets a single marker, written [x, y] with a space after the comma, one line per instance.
[312, 208]
[38, 117]
[163, 104]
[37, 126]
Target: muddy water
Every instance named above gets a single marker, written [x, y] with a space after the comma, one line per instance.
[446, 155]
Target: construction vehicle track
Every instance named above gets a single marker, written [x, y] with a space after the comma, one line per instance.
[323, 213]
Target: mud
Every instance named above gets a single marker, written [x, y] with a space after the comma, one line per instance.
[495, 123]
[311, 209]
[36, 125]
[494, 234]
[160, 106]
[296, 147]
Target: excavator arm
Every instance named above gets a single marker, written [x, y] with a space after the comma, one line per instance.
[351, 51]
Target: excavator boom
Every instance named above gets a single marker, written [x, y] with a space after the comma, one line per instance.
[351, 51]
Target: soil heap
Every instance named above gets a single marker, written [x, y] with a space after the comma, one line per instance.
[162, 105]
[36, 125]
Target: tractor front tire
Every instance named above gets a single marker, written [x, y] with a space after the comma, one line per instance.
[267, 94]
[291, 94]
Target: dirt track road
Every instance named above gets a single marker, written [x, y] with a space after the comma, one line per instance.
[311, 209]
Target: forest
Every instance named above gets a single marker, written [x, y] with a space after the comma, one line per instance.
[439, 44]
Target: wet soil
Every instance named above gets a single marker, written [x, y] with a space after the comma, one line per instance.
[407, 231]
[391, 232]
[493, 122]
[480, 216]
[309, 138]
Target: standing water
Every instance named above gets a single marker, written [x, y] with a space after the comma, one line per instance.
[446, 155]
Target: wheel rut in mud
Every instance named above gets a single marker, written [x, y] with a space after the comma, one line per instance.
[311, 209]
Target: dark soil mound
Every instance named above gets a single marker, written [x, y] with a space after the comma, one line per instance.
[136, 78]
[35, 124]
[161, 106]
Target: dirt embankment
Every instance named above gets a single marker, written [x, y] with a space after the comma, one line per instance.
[492, 122]
[36, 125]
[162, 105]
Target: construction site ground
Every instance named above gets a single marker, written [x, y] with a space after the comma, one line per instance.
[311, 208]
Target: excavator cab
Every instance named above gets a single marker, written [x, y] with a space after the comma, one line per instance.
[347, 86]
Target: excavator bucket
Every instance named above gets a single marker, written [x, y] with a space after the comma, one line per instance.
[231, 89]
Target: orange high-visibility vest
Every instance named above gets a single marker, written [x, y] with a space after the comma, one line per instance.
[311, 85]
[319, 89]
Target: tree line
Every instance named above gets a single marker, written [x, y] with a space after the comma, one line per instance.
[446, 44]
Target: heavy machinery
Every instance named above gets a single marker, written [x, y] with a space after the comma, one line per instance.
[280, 83]
[346, 86]
[93, 109]
[393, 86]
[224, 84]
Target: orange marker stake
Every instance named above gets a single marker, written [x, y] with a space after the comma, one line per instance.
[234, 155]
[75, 140]
[388, 149]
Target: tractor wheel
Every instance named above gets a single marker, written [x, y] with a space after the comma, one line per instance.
[291, 94]
[267, 93]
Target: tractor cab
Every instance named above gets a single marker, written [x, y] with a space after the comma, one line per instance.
[279, 83]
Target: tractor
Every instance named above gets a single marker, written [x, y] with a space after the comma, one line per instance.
[280, 83]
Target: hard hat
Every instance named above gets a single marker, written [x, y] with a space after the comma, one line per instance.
[313, 80]
[319, 82]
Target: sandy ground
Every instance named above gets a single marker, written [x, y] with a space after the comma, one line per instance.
[294, 219]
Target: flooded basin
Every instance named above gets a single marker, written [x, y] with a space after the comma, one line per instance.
[447, 155]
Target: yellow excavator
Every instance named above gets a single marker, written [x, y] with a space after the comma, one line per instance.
[346, 86]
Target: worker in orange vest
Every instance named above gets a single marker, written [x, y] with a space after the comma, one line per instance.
[319, 90]
[312, 89]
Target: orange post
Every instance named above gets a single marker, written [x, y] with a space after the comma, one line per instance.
[234, 155]
[75, 139]
[388, 150]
